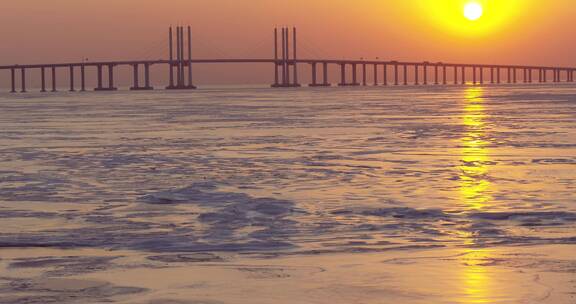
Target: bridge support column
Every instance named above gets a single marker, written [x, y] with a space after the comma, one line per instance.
[375, 74]
[286, 58]
[342, 75]
[315, 75]
[416, 72]
[463, 75]
[99, 78]
[147, 77]
[405, 74]
[436, 74]
[514, 74]
[509, 75]
[498, 75]
[354, 75]
[481, 75]
[111, 77]
[474, 74]
[529, 75]
[54, 79]
[170, 65]
[13, 80]
[525, 76]
[425, 73]
[82, 78]
[444, 80]
[455, 75]
[23, 74]
[313, 65]
[364, 81]
[72, 89]
[396, 74]
[325, 74]
[136, 85]
[43, 79]
[385, 75]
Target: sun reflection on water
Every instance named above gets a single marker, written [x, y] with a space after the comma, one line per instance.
[474, 185]
[475, 189]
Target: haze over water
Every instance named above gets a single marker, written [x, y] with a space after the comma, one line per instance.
[253, 195]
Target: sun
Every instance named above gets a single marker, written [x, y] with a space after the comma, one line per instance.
[473, 11]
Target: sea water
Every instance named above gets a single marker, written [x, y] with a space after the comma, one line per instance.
[266, 174]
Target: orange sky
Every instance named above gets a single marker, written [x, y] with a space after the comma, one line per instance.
[35, 31]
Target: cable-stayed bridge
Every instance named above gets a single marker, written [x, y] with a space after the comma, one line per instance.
[286, 68]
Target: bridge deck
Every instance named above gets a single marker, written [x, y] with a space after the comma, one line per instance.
[271, 61]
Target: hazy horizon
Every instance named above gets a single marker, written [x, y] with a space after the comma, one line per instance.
[515, 32]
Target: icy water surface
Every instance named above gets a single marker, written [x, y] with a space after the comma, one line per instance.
[331, 195]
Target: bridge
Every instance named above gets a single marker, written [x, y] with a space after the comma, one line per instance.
[286, 66]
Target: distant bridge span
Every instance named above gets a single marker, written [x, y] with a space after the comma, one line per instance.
[286, 70]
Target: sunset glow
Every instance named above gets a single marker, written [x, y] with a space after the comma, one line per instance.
[464, 17]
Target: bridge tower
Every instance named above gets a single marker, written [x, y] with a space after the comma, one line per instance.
[179, 61]
[287, 62]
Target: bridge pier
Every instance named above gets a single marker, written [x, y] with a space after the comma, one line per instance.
[444, 80]
[315, 75]
[82, 78]
[498, 75]
[354, 75]
[436, 74]
[54, 79]
[313, 65]
[23, 74]
[147, 77]
[110, 79]
[136, 78]
[474, 74]
[540, 75]
[425, 73]
[455, 75]
[491, 75]
[514, 74]
[43, 79]
[342, 75]
[463, 74]
[325, 74]
[396, 74]
[525, 76]
[364, 81]
[99, 78]
[72, 89]
[375, 74]
[405, 74]
[416, 72]
[481, 75]
[13, 80]
[385, 75]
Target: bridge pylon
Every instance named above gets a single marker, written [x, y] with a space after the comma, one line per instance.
[288, 61]
[178, 62]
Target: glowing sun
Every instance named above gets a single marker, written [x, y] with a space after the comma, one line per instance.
[473, 11]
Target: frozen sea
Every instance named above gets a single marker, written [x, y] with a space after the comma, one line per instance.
[459, 194]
